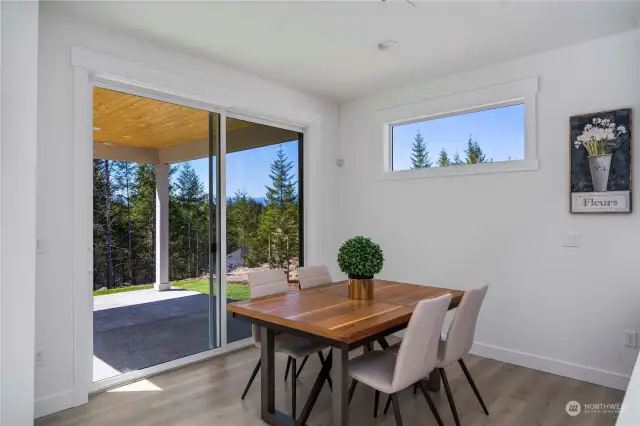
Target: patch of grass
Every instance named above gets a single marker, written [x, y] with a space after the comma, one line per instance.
[194, 284]
[122, 289]
[234, 291]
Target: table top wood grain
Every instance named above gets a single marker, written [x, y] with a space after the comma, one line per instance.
[327, 311]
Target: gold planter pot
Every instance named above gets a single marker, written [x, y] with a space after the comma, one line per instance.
[361, 288]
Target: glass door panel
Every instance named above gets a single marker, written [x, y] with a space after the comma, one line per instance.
[153, 279]
[263, 208]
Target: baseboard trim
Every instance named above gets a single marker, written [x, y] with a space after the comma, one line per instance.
[53, 403]
[561, 368]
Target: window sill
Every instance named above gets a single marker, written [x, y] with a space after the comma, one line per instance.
[463, 170]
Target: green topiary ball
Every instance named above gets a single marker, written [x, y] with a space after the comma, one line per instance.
[359, 257]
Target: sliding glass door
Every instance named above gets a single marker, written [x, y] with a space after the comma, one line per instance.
[187, 204]
[263, 208]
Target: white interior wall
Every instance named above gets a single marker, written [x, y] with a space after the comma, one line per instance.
[549, 307]
[54, 285]
[19, 82]
[558, 309]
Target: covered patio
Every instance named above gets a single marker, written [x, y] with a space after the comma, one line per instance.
[137, 329]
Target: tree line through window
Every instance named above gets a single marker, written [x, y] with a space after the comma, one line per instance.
[473, 154]
[263, 230]
[478, 137]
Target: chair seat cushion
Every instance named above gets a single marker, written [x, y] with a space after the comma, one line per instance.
[297, 347]
[374, 369]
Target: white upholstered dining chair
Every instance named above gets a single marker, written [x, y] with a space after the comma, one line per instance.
[312, 276]
[391, 372]
[267, 283]
[458, 341]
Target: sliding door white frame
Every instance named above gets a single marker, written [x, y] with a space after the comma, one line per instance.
[93, 69]
[221, 230]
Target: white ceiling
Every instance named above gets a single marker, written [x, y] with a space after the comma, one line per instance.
[329, 48]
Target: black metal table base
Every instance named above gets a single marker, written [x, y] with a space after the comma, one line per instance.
[334, 367]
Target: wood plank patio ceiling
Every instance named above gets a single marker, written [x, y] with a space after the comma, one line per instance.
[129, 120]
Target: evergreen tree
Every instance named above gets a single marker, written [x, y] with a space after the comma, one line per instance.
[474, 154]
[278, 232]
[108, 222]
[124, 172]
[143, 219]
[243, 216]
[191, 194]
[419, 153]
[443, 159]
[99, 207]
[283, 191]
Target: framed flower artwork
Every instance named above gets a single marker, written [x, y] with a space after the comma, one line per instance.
[601, 162]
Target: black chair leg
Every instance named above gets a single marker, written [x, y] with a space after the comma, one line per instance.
[253, 376]
[473, 385]
[352, 389]
[386, 406]
[415, 388]
[322, 361]
[396, 409]
[434, 410]
[304, 361]
[375, 403]
[449, 396]
[293, 388]
[286, 372]
[383, 343]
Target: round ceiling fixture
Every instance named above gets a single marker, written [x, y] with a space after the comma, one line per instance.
[387, 44]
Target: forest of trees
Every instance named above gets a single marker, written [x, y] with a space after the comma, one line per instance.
[124, 222]
[473, 154]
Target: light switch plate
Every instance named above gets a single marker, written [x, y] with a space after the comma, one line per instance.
[571, 239]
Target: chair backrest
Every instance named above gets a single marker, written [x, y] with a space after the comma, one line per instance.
[266, 283]
[463, 327]
[419, 348]
[311, 276]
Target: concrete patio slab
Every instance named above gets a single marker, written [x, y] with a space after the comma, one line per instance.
[138, 329]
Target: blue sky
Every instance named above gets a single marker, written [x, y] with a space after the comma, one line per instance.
[249, 169]
[499, 131]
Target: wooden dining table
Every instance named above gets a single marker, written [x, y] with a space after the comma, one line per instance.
[327, 314]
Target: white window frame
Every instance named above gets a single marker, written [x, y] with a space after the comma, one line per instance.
[521, 92]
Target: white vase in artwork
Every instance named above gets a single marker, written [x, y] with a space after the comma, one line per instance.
[600, 166]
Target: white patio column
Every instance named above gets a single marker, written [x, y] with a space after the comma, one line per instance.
[162, 227]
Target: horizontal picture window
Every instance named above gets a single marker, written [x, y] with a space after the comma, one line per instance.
[481, 136]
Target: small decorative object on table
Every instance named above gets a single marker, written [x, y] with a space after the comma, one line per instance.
[360, 258]
[601, 162]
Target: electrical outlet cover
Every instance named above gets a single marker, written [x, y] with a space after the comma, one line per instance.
[631, 338]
